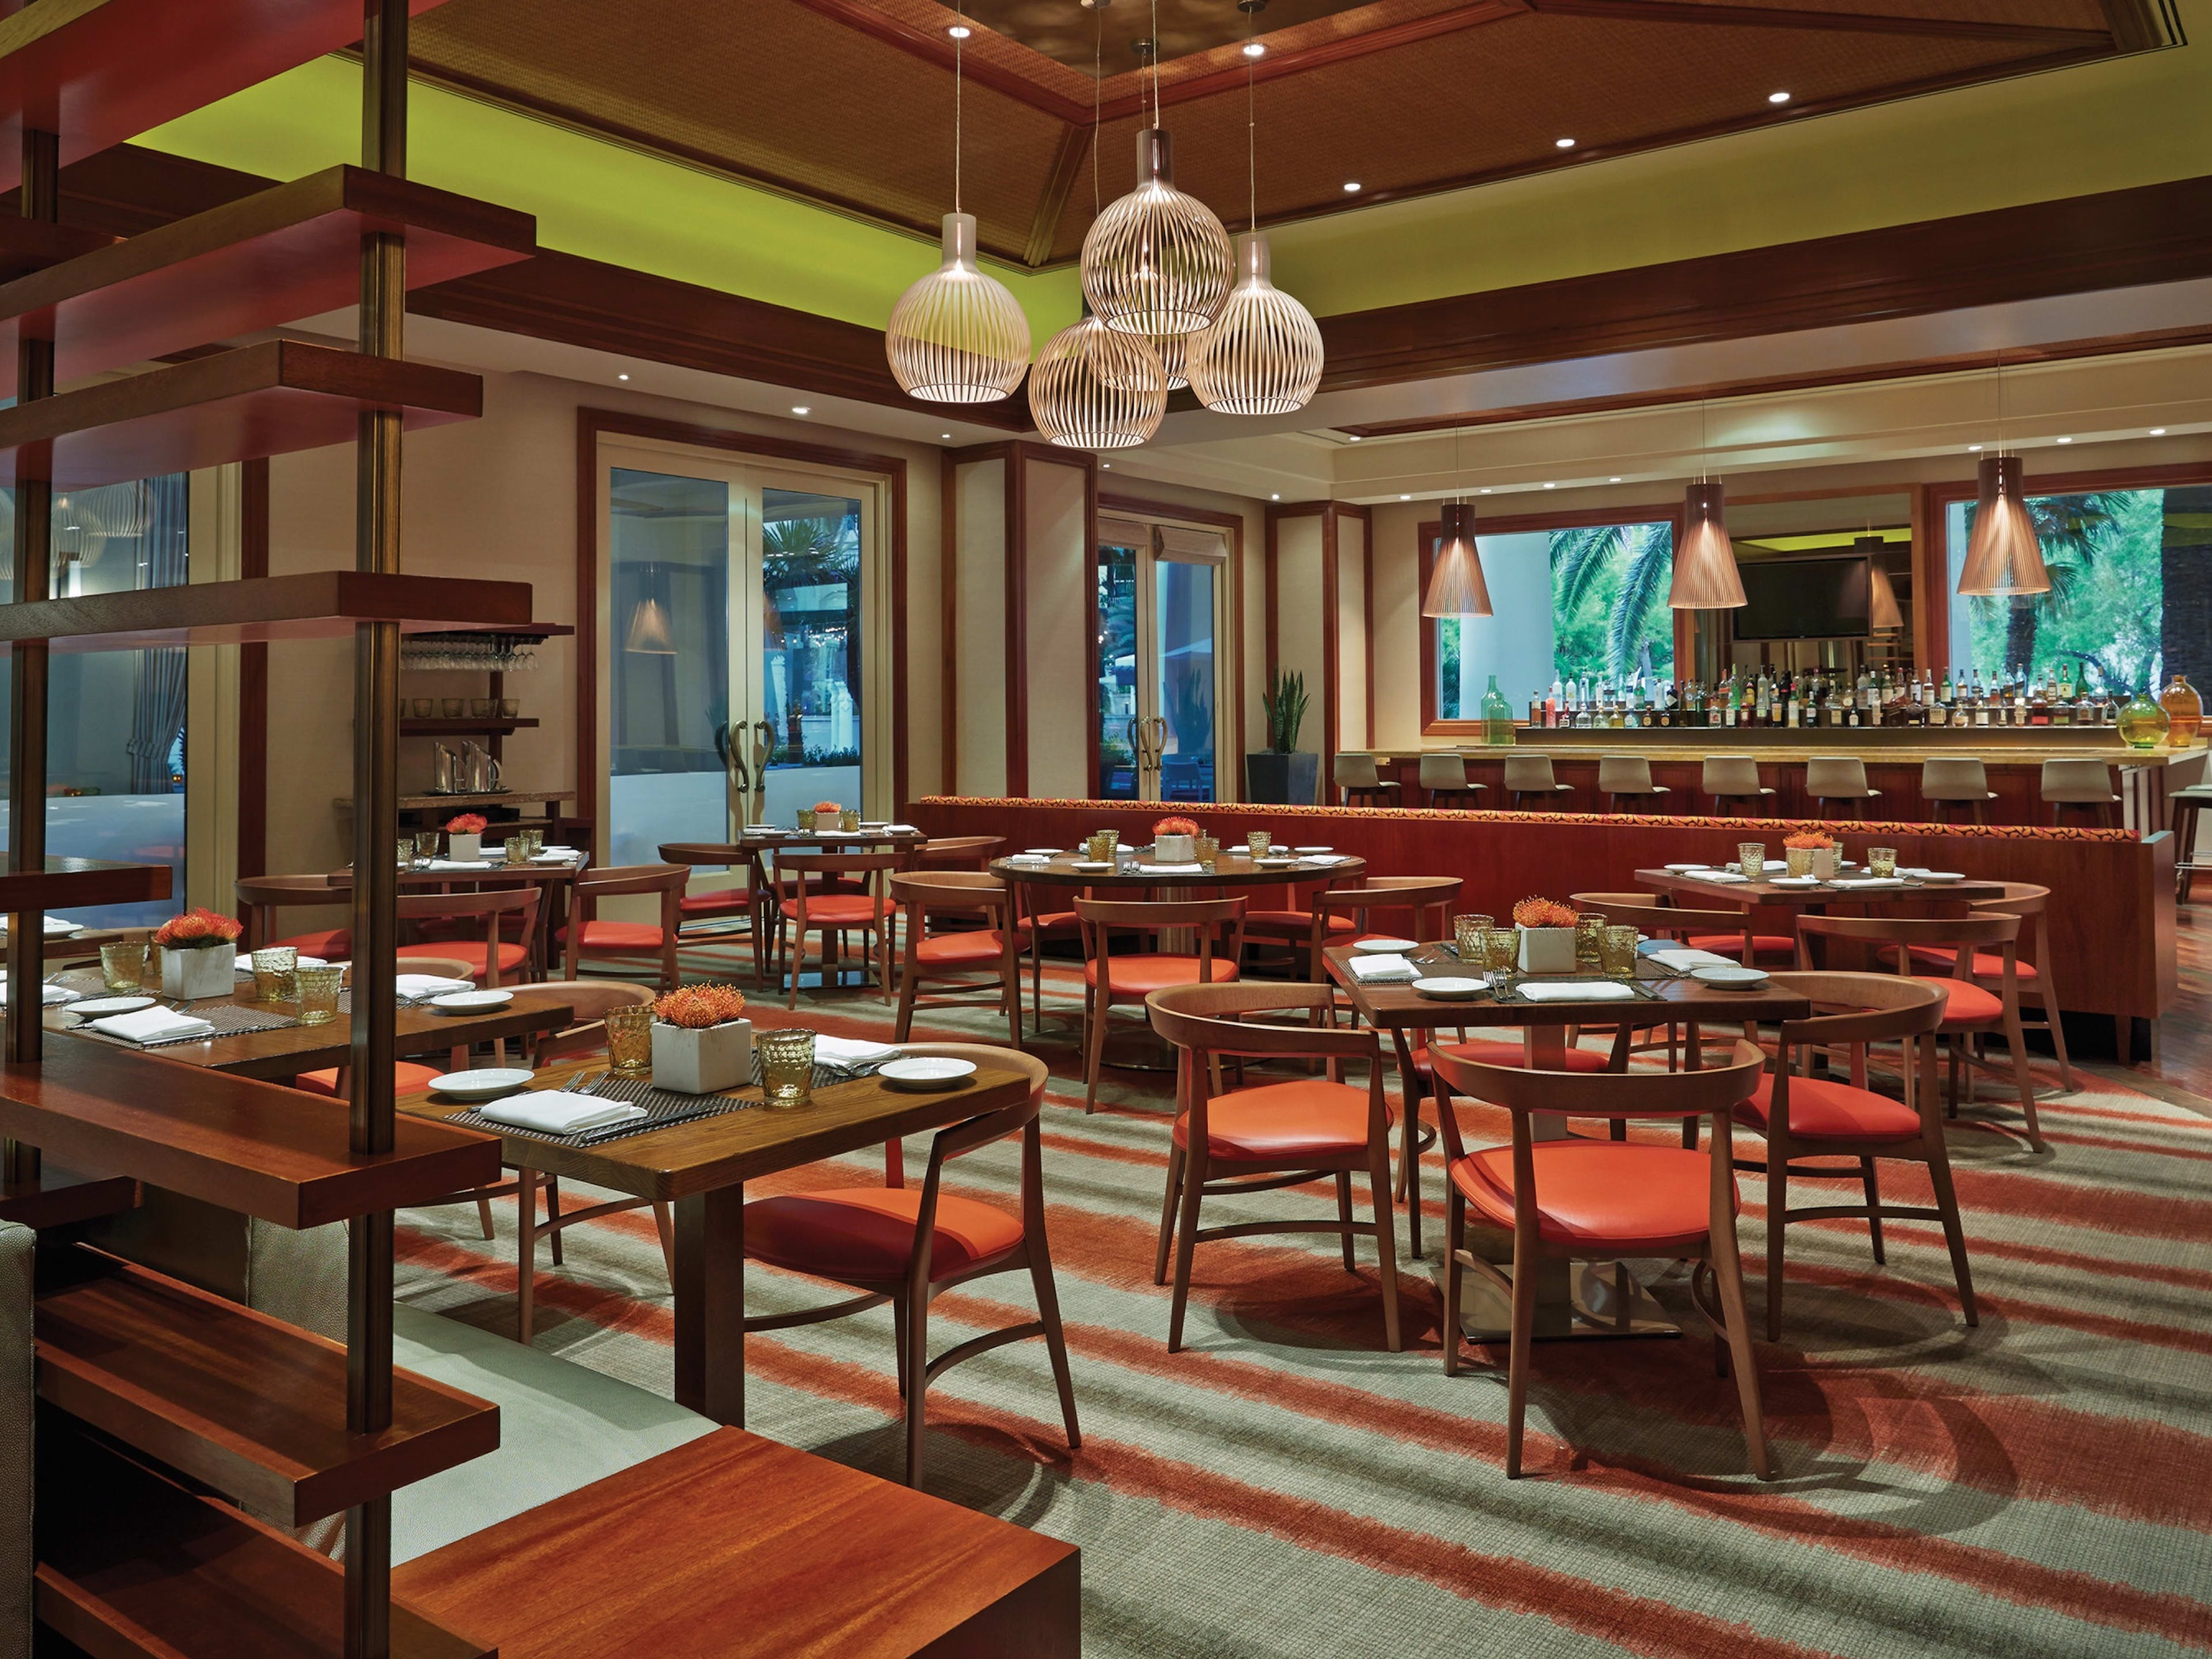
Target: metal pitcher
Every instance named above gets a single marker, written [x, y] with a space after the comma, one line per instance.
[446, 778]
[479, 771]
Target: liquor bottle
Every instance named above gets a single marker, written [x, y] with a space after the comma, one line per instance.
[1984, 702]
[1552, 704]
[2039, 706]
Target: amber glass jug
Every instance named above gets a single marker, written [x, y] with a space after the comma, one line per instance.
[2184, 709]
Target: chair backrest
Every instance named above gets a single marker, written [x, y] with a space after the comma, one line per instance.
[1216, 922]
[1851, 1010]
[494, 904]
[1356, 772]
[958, 852]
[1966, 934]
[443, 967]
[962, 892]
[1729, 774]
[982, 1130]
[588, 1001]
[1209, 1020]
[1624, 775]
[1650, 914]
[1416, 895]
[1443, 771]
[1953, 777]
[259, 898]
[2078, 782]
[793, 873]
[2028, 901]
[1530, 772]
[705, 854]
[1839, 776]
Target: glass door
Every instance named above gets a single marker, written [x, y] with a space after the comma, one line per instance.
[1159, 595]
[736, 646]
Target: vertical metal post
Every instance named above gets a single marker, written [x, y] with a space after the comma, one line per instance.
[26, 733]
[376, 820]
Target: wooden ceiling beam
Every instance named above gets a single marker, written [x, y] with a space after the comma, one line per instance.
[935, 46]
[1697, 13]
[1052, 201]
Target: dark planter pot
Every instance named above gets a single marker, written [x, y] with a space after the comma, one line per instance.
[1276, 780]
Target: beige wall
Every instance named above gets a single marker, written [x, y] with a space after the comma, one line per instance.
[977, 673]
[1060, 582]
[1352, 632]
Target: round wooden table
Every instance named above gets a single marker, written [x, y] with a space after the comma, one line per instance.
[757, 845]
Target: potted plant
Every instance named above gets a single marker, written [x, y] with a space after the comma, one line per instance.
[702, 1043]
[1547, 935]
[1280, 775]
[1811, 853]
[1175, 841]
[465, 837]
[199, 955]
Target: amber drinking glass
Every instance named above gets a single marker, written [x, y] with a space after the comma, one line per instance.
[1751, 858]
[1467, 933]
[1259, 841]
[1799, 859]
[786, 1066]
[276, 974]
[1589, 930]
[516, 849]
[122, 966]
[426, 844]
[318, 993]
[630, 1040]
[406, 853]
[1881, 861]
[806, 818]
[849, 819]
[1616, 951]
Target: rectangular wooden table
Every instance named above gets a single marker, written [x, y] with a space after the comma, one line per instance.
[700, 1167]
[1401, 1011]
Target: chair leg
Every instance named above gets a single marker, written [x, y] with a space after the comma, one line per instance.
[1168, 1208]
[1778, 1198]
[1101, 1004]
[664, 1221]
[2016, 1040]
[1194, 1187]
[525, 1255]
[553, 1217]
[483, 1215]
[917, 1373]
[1386, 1240]
[1454, 1222]
[904, 1025]
[898, 1340]
[1343, 1215]
[1522, 1339]
[1409, 1172]
[1873, 1186]
[1955, 1234]
[2056, 1024]
[1055, 1344]
[792, 961]
[1009, 985]
[1728, 1279]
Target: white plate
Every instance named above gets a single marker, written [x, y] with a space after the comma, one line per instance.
[1042, 852]
[1683, 869]
[1939, 877]
[1730, 978]
[1091, 864]
[925, 1072]
[471, 1002]
[1276, 863]
[1447, 988]
[98, 1005]
[1313, 849]
[1794, 881]
[492, 1083]
[1387, 947]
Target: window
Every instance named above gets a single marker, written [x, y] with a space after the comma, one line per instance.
[1602, 590]
[2130, 577]
[115, 722]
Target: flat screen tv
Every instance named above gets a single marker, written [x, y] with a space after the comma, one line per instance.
[1803, 599]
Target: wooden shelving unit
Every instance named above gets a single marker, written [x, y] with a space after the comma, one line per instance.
[467, 727]
[70, 882]
[272, 258]
[312, 605]
[274, 398]
[29, 245]
[54, 1197]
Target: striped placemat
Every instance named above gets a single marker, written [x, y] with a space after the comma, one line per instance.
[228, 1018]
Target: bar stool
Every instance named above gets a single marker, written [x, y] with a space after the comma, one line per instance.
[1839, 777]
[1729, 779]
[1955, 778]
[1531, 774]
[1363, 785]
[2081, 784]
[1628, 776]
[2187, 803]
[1446, 775]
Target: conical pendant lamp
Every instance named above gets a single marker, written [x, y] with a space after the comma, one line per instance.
[2004, 559]
[1706, 577]
[958, 336]
[1455, 585]
[1883, 616]
[1095, 388]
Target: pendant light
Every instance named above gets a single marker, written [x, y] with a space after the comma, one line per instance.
[2004, 560]
[958, 336]
[1705, 577]
[1456, 584]
[1173, 351]
[1883, 616]
[1263, 355]
[648, 635]
[1158, 261]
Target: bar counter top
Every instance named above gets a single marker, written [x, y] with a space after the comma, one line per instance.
[1883, 745]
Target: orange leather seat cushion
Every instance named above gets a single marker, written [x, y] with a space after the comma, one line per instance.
[1310, 1117]
[1988, 964]
[1967, 1004]
[834, 910]
[332, 945]
[978, 948]
[1822, 1108]
[617, 936]
[406, 1076]
[1731, 944]
[866, 1233]
[1506, 1053]
[1297, 923]
[470, 951]
[1141, 976]
[1608, 1194]
[731, 901]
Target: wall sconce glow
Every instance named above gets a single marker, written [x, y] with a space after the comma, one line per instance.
[1563, 143]
[1777, 97]
[1351, 187]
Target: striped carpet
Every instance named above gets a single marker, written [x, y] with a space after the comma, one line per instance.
[2041, 1485]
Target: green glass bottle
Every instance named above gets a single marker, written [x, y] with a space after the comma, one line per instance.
[1496, 715]
[2142, 723]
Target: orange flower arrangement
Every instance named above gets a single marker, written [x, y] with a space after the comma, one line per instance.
[1809, 840]
[829, 806]
[699, 1006]
[1544, 913]
[197, 930]
[466, 823]
[1175, 826]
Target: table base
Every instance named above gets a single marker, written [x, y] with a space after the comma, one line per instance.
[1137, 1048]
[1601, 1300]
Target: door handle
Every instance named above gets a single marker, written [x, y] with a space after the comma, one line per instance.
[737, 781]
[1156, 729]
[764, 746]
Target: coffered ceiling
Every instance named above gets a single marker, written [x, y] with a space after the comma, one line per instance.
[849, 103]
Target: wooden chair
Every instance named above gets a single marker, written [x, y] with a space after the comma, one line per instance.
[1961, 780]
[1297, 919]
[1445, 783]
[589, 939]
[958, 852]
[2188, 806]
[494, 956]
[812, 908]
[957, 957]
[1604, 1200]
[2032, 963]
[1342, 915]
[1133, 977]
[2085, 786]
[1728, 779]
[1528, 776]
[337, 1080]
[261, 898]
[1723, 933]
[1274, 1134]
[717, 904]
[1803, 1117]
[1036, 925]
[907, 1246]
[1362, 784]
[1833, 778]
[1970, 1009]
[1628, 778]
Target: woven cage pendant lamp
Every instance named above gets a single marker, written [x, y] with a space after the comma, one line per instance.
[1155, 262]
[1262, 355]
[2004, 559]
[1706, 577]
[958, 336]
[1173, 351]
[1455, 585]
[1093, 387]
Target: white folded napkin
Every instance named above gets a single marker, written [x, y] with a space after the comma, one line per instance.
[1176, 869]
[54, 926]
[245, 964]
[1594, 990]
[54, 997]
[1722, 875]
[902, 828]
[460, 863]
[1684, 959]
[153, 1025]
[429, 985]
[1029, 858]
[556, 1112]
[556, 855]
[1867, 881]
[1383, 969]
[850, 1051]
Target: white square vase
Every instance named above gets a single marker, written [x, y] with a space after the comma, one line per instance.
[1825, 861]
[1547, 950]
[193, 974]
[1174, 849]
[464, 848]
[687, 1061]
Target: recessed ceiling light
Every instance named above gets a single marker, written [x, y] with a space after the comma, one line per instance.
[958, 31]
[622, 377]
[1109, 465]
[2065, 441]
[944, 434]
[1563, 143]
[1973, 449]
[1615, 479]
[1405, 498]
[802, 409]
[1777, 97]
[1354, 436]
[1276, 496]
[1351, 187]
[1254, 49]
[1486, 490]
[1551, 486]
[2158, 432]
